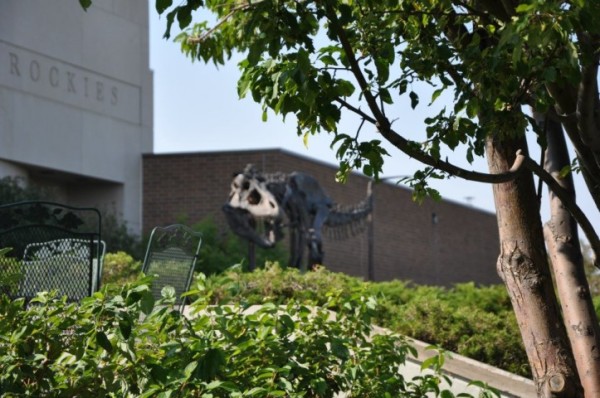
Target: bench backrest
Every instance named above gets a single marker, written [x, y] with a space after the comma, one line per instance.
[171, 257]
[53, 247]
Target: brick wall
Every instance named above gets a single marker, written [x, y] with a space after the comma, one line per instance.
[433, 243]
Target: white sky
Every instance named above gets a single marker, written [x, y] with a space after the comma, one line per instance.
[196, 108]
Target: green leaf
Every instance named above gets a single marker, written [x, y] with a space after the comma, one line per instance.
[170, 19]
[414, 99]
[339, 349]
[103, 341]
[214, 384]
[168, 292]
[147, 303]
[162, 5]
[151, 392]
[402, 86]
[125, 328]
[256, 391]
[344, 88]
[190, 368]
[550, 74]
[328, 60]
[385, 96]
[565, 171]
[523, 8]
[85, 4]
[473, 107]
[66, 358]
[211, 363]
[278, 393]
[305, 137]
[436, 94]
[184, 16]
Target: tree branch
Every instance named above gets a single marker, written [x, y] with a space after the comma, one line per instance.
[587, 97]
[565, 98]
[384, 126]
[355, 67]
[567, 201]
[234, 10]
[409, 149]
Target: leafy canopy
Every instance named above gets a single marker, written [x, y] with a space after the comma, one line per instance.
[316, 59]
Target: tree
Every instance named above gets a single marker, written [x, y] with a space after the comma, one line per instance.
[318, 60]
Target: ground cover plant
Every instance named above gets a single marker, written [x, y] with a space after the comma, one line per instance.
[120, 343]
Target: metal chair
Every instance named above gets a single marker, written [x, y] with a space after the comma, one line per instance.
[98, 265]
[171, 257]
[54, 247]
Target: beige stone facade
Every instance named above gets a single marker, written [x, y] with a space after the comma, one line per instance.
[76, 99]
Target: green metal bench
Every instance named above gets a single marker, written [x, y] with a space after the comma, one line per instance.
[171, 257]
[53, 247]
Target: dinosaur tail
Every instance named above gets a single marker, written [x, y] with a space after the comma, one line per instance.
[347, 221]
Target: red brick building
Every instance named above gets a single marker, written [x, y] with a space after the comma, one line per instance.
[438, 243]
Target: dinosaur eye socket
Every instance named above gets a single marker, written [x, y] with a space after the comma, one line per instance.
[245, 185]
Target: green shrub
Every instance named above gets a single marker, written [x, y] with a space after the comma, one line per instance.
[118, 238]
[489, 337]
[10, 272]
[279, 285]
[477, 322]
[16, 189]
[120, 268]
[123, 345]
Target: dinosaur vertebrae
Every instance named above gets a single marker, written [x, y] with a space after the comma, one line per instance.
[343, 221]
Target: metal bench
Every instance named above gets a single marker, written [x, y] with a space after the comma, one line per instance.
[171, 257]
[53, 247]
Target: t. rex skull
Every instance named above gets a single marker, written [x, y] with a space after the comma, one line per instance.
[251, 194]
[251, 208]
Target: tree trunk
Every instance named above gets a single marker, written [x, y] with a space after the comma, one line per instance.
[567, 265]
[523, 266]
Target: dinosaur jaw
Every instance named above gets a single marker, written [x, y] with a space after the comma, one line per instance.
[246, 225]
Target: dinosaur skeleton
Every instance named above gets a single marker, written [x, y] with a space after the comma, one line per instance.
[260, 206]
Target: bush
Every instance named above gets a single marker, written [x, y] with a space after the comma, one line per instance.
[16, 189]
[120, 268]
[118, 238]
[10, 272]
[469, 330]
[477, 322]
[279, 285]
[124, 345]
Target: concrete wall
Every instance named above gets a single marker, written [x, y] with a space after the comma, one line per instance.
[76, 99]
[435, 243]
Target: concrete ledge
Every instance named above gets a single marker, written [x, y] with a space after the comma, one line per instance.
[464, 370]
